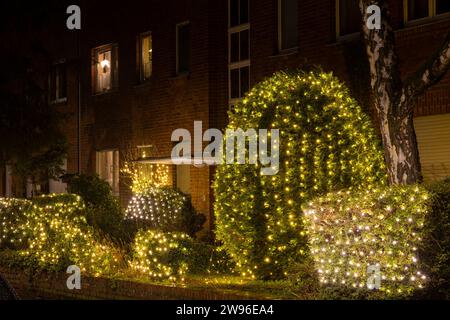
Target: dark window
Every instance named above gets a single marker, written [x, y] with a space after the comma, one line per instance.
[238, 12]
[234, 13]
[239, 46]
[243, 11]
[244, 45]
[442, 6]
[234, 49]
[418, 9]
[349, 17]
[288, 23]
[58, 83]
[234, 81]
[244, 80]
[183, 48]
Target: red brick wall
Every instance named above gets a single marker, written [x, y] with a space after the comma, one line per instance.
[53, 286]
[148, 113]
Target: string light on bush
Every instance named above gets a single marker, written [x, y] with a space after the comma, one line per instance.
[326, 142]
[51, 231]
[338, 221]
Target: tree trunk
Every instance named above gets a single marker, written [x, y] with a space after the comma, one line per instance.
[395, 99]
[400, 148]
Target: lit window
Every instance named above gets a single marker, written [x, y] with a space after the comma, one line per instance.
[348, 17]
[58, 83]
[146, 56]
[107, 163]
[183, 47]
[288, 24]
[238, 50]
[105, 68]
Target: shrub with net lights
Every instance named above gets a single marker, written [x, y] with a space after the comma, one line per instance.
[326, 143]
[165, 209]
[383, 228]
[51, 233]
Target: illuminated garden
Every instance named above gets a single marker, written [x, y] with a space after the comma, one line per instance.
[315, 230]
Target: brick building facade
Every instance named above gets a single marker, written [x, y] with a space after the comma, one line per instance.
[204, 55]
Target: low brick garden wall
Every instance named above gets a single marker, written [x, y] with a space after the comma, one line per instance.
[53, 286]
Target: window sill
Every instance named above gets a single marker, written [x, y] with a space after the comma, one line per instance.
[104, 93]
[143, 84]
[427, 20]
[285, 53]
[348, 38]
[181, 75]
[58, 102]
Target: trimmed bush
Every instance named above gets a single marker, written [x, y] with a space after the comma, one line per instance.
[13, 218]
[103, 210]
[435, 249]
[326, 143]
[172, 255]
[51, 234]
[161, 255]
[350, 231]
[165, 209]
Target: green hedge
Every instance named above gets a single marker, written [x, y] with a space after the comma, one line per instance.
[103, 210]
[326, 143]
[161, 255]
[435, 249]
[173, 255]
[51, 233]
[349, 231]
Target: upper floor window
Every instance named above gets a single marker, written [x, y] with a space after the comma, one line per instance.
[58, 83]
[238, 12]
[183, 47]
[145, 56]
[238, 50]
[442, 6]
[105, 68]
[419, 9]
[107, 168]
[348, 17]
[288, 24]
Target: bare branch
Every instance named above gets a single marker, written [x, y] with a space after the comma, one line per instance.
[427, 75]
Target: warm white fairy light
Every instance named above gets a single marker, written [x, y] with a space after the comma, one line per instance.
[336, 224]
[52, 230]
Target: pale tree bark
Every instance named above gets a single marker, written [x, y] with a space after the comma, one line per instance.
[395, 99]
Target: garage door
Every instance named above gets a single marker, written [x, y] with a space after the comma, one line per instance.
[433, 137]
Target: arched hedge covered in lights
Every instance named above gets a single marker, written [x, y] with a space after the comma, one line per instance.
[326, 143]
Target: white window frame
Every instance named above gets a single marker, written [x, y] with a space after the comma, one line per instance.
[58, 98]
[181, 24]
[141, 36]
[238, 64]
[115, 167]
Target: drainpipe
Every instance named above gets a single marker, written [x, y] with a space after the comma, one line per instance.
[78, 104]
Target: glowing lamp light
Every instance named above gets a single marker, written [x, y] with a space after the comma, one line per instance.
[105, 63]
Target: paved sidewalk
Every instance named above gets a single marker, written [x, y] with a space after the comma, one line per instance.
[6, 292]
